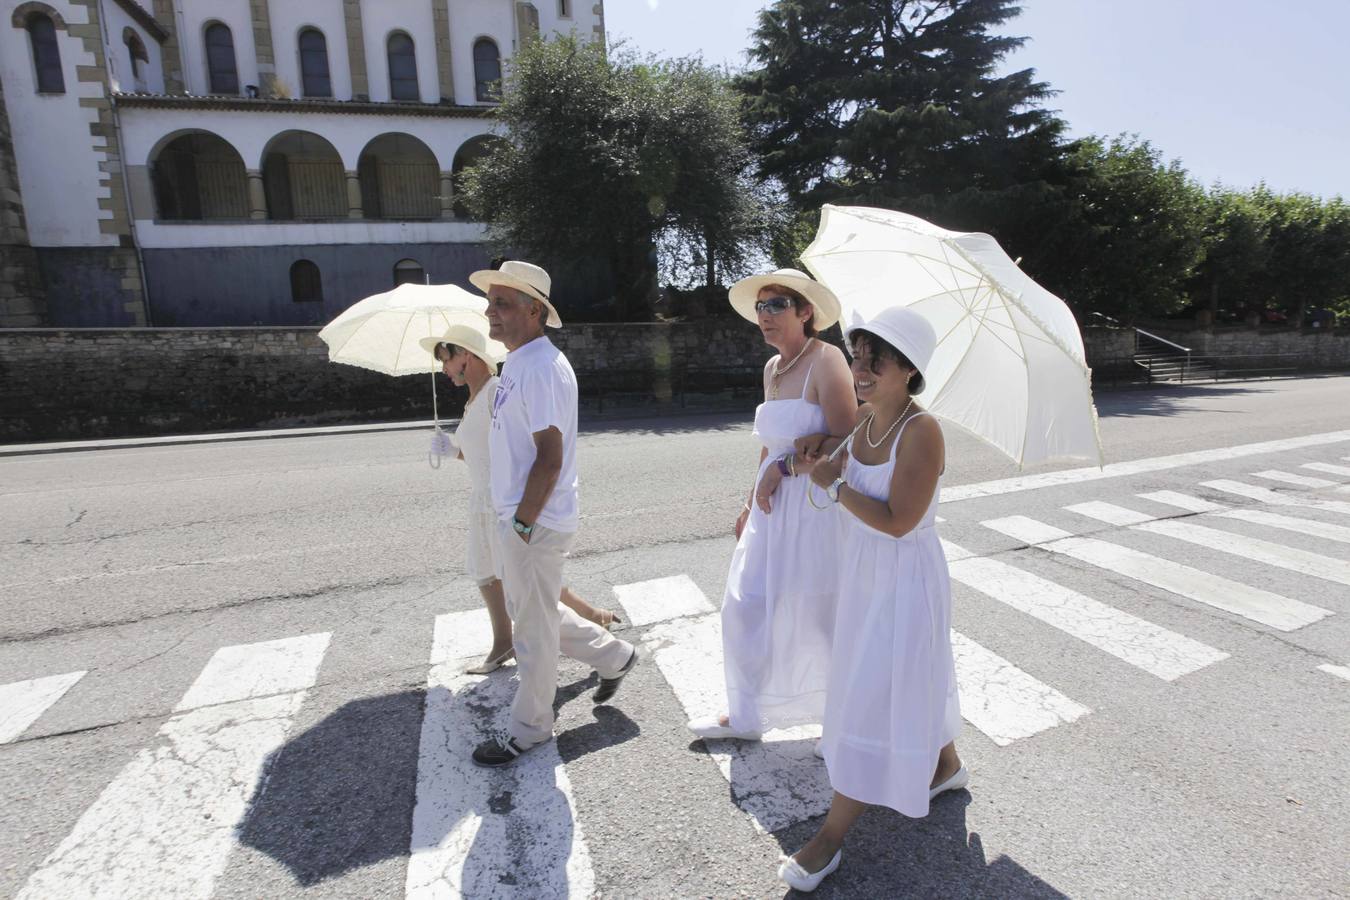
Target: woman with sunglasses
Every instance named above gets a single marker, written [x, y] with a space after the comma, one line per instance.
[892, 715]
[470, 358]
[778, 611]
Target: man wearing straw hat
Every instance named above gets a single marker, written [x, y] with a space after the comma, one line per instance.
[534, 493]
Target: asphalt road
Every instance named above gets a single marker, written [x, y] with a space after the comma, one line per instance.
[1208, 759]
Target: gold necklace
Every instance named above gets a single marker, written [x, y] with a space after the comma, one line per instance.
[868, 435]
[779, 373]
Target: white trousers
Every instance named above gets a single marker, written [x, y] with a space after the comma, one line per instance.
[543, 627]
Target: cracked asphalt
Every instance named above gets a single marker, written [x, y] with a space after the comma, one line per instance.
[137, 564]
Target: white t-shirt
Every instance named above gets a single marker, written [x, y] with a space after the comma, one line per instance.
[538, 390]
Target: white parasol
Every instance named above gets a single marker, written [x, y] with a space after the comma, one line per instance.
[1009, 365]
[382, 331]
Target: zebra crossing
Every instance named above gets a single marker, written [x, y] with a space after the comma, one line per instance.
[212, 754]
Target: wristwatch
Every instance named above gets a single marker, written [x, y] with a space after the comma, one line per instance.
[521, 527]
[833, 490]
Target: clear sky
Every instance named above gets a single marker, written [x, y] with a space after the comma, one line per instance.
[1241, 91]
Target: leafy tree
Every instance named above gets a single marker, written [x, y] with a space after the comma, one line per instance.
[894, 102]
[1309, 251]
[1236, 235]
[607, 157]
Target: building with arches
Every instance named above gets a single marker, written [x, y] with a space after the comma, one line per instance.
[240, 162]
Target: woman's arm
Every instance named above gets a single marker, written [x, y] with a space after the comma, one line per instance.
[918, 463]
[839, 401]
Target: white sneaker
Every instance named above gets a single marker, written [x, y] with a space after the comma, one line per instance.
[709, 728]
[960, 778]
[797, 878]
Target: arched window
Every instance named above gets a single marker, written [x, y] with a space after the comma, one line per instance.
[306, 285]
[487, 70]
[139, 58]
[220, 66]
[409, 271]
[46, 54]
[564, 8]
[314, 64]
[402, 68]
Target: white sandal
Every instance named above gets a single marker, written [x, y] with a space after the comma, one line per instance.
[491, 665]
[797, 878]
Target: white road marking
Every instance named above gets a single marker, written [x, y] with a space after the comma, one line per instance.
[1329, 468]
[166, 824]
[1274, 498]
[1291, 559]
[510, 832]
[674, 597]
[1252, 603]
[1296, 480]
[957, 493]
[257, 670]
[777, 781]
[1150, 647]
[1339, 671]
[1003, 701]
[23, 701]
[1310, 527]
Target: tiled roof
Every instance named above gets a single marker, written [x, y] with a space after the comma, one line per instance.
[259, 104]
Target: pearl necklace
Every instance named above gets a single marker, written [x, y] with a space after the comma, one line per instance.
[779, 373]
[868, 435]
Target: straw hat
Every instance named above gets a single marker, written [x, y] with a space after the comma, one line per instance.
[905, 330]
[471, 338]
[744, 293]
[524, 277]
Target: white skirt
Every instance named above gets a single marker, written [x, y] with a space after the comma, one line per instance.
[778, 612]
[893, 701]
[482, 550]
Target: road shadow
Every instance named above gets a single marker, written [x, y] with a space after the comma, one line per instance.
[336, 797]
[1164, 400]
[890, 855]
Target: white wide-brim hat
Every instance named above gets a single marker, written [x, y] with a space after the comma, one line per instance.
[905, 330]
[745, 292]
[472, 338]
[524, 277]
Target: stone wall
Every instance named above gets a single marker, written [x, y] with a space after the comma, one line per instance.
[23, 300]
[85, 383]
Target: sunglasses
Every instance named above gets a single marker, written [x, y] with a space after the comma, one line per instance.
[774, 305]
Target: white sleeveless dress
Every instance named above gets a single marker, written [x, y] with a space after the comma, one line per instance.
[778, 611]
[482, 552]
[892, 701]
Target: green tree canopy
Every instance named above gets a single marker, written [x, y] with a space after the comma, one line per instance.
[607, 157]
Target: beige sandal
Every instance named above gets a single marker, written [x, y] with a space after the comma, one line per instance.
[491, 665]
[608, 619]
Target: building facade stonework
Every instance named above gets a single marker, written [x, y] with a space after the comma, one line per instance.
[244, 162]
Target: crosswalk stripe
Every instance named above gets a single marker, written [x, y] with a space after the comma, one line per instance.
[1291, 559]
[1271, 609]
[674, 597]
[1309, 527]
[1296, 480]
[510, 832]
[23, 701]
[1003, 701]
[1274, 498]
[1329, 468]
[1339, 671]
[164, 827]
[1150, 647]
[777, 781]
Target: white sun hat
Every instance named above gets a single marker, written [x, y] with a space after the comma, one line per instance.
[744, 293]
[472, 337]
[525, 277]
[905, 330]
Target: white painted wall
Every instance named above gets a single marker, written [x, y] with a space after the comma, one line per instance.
[54, 151]
[197, 14]
[288, 19]
[120, 74]
[250, 132]
[378, 21]
[470, 20]
[582, 19]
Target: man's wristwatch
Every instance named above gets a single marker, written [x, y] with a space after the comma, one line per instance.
[521, 527]
[833, 490]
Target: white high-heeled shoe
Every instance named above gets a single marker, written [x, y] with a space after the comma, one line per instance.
[960, 778]
[797, 878]
[710, 728]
